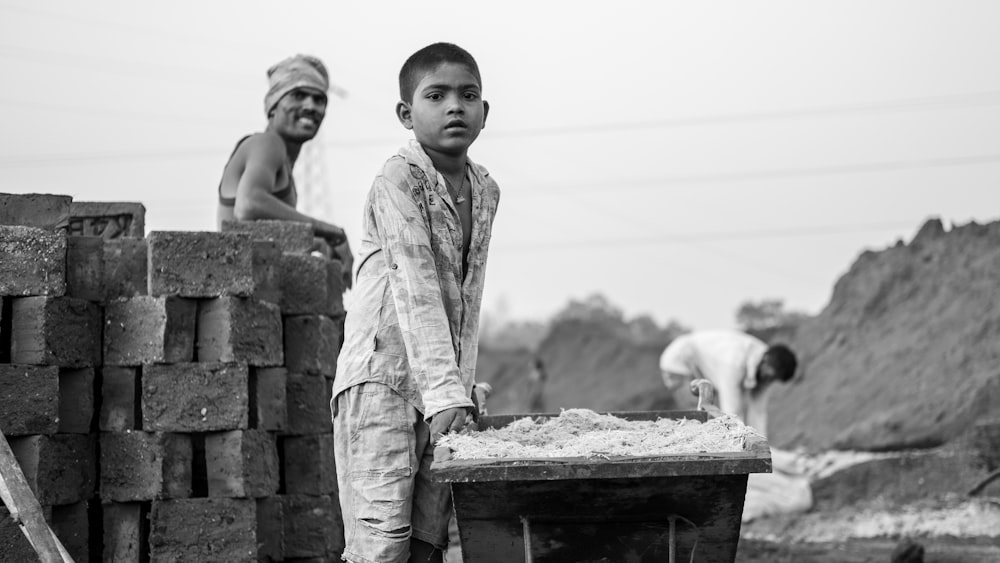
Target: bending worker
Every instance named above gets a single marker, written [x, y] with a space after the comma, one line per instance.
[741, 367]
[257, 181]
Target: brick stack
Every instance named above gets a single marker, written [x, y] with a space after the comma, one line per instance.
[213, 414]
[301, 523]
[50, 345]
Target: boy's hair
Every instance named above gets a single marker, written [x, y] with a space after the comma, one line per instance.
[783, 360]
[429, 58]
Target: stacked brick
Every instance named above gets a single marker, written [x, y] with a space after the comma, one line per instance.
[50, 347]
[214, 356]
[303, 521]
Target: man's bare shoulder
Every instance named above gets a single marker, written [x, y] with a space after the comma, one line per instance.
[261, 149]
[266, 146]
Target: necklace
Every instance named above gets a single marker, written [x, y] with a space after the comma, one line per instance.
[458, 197]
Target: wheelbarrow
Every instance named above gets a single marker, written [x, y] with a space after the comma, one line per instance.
[683, 507]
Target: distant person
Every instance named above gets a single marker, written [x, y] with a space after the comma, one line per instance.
[257, 180]
[536, 386]
[406, 371]
[741, 367]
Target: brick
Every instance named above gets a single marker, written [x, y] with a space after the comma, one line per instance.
[6, 305]
[108, 220]
[268, 409]
[270, 529]
[56, 331]
[44, 211]
[266, 275]
[32, 262]
[76, 400]
[241, 464]
[14, 546]
[30, 399]
[239, 329]
[312, 343]
[309, 465]
[119, 403]
[200, 264]
[308, 399]
[126, 267]
[313, 526]
[85, 268]
[126, 531]
[139, 466]
[335, 288]
[195, 397]
[60, 469]
[291, 236]
[143, 330]
[71, 525]
[303, 284]
[203, 529]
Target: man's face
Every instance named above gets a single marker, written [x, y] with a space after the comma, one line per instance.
[448, 111]
[299, 113]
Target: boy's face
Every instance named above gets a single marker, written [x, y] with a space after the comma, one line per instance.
[299, 113]
[447, 112]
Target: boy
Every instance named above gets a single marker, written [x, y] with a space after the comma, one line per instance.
[407, 367]
[257, 180]
[741, 367]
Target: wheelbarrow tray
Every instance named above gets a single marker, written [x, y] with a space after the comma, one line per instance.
[608, 509]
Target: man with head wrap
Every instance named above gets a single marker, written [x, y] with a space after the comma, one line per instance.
[257, 181]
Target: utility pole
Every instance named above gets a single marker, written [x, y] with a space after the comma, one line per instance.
[311, 179]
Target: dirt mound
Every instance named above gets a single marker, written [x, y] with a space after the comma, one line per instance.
[594, 366]
[905, 354]
[588, 365]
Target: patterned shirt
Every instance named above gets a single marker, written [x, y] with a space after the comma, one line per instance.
[413, 322]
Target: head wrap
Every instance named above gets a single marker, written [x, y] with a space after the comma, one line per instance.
[298, 71]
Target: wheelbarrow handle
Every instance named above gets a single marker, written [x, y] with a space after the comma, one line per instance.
[705, 391]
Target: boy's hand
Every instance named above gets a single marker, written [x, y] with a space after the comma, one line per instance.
[449, 420]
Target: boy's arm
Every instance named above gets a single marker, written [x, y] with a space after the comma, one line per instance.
[416, 291]
[254, 193]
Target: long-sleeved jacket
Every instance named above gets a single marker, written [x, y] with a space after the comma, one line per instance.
[413, 321]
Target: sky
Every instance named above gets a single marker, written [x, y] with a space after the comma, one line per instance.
[679, 158]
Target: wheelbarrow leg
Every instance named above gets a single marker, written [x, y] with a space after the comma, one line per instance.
[526, 531]
[672, 541]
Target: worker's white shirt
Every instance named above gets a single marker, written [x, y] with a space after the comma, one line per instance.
[727, 358]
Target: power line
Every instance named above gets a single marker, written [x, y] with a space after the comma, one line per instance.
[201, 77]
[186, 38]
[989, 98]
[145, 31]
[961, 100]
[642, 183]
[752, 262]
[125, 114]
[720, 236]
[98, 158]
[774, 174]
